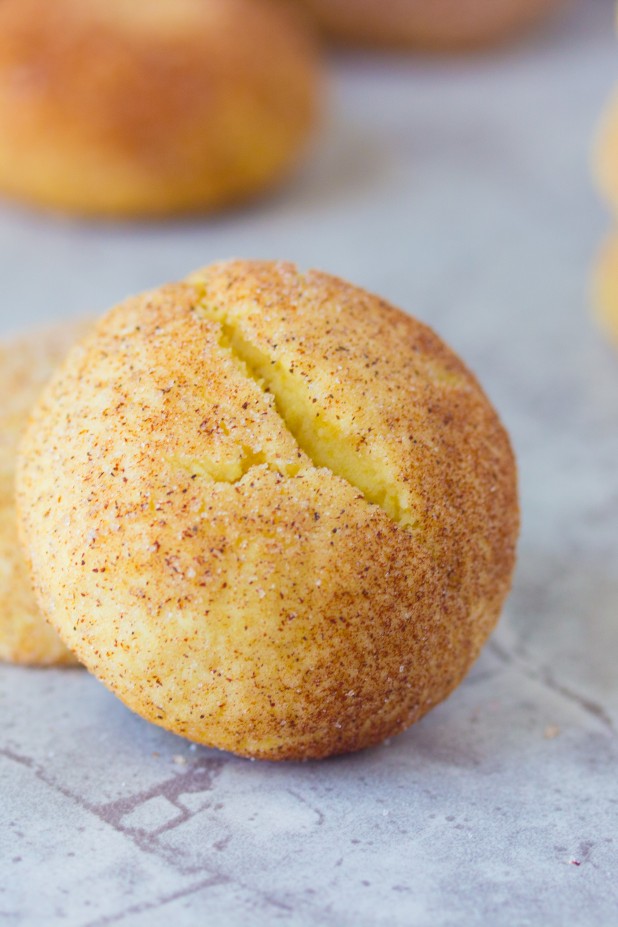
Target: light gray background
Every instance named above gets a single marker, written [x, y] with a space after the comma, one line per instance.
[460, 190]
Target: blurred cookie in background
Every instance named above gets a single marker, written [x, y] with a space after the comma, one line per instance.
[605, 288]
[605, 161]
[605, 272]
[131, 109]
[26, 363]
[433, 25]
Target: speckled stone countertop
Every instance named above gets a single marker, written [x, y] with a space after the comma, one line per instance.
[460, 191]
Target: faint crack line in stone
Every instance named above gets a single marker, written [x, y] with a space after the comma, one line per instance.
[39, 773]
[479, 677]
[586, 704]
[151, 847]
[319, 814]
[198, 778]
[145, 841]
[143, 906]
[542, 675]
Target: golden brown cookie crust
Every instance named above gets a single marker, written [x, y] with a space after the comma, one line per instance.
[26, 364]
[284, 514]
[432, 25]
[119, 108]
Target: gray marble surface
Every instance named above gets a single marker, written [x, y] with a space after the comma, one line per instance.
[461, 191]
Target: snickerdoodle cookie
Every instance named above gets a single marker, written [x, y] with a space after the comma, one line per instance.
[270, 511]
[26, 363]
[128, 109]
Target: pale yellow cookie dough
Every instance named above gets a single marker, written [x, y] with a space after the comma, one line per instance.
[151, 107]
[26, 363]
[271, 512]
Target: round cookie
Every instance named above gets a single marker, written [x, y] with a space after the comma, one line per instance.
[605, 289]
[123, 108]
[271, 512]
[26, 364]
[605, 157]
[438, 25]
